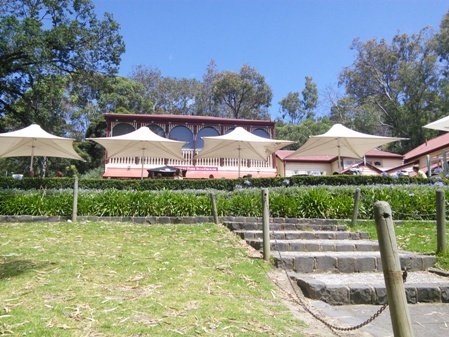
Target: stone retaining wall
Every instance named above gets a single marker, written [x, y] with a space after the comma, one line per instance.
[160, 219]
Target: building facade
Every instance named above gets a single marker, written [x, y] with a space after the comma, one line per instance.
[189, 129]
[374, 163]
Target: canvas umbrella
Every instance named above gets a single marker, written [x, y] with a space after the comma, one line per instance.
[140, 143]
[34, 141]
[342, 142]
[240, 144]
[440, 124]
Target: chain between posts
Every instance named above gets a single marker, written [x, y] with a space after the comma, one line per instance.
[299, 301]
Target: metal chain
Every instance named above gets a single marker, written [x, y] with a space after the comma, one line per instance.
[299, 301]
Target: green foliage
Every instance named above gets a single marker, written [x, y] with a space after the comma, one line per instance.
[204, 184]
[335, 202]
[43, 39]
[397, 83]
[301, 132]
[245, 94]
[124, 96]
[300, 108]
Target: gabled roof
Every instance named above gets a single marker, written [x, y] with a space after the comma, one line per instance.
[435, 144]
[382, 154]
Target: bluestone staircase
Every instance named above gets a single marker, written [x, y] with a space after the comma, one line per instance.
[340, 267]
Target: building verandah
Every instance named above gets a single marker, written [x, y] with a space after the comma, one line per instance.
[189, 129]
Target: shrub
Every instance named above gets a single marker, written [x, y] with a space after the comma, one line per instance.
[407, 202]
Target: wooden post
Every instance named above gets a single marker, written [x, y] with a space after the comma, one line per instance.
[75, 199]
[399, 313]
[445, 168]
[441, 222]
[355, 211]
[213, 202]
[266, 224]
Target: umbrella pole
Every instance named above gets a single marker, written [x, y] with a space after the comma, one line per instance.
[239, 160]
[339, 157]
[31, 173]
[141, 162]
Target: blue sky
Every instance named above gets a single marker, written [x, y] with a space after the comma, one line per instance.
[285, 40]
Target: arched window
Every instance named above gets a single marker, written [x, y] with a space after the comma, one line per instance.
[182, 134]
[157, 129]
[207, 131]
[261, 133]
[229, 130]
[122, 129]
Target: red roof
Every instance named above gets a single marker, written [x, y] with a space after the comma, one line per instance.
[382, 154]
[430, 146]
[187, 118]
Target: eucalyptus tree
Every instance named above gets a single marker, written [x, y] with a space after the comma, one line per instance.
[168, 94]
[300, 106]
[397, 82]
[41, 41]
[244, 94]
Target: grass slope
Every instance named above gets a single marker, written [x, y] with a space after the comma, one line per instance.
[116, 279]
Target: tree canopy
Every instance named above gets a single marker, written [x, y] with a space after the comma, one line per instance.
[42, 39]
[299, 106]
[245, 94]
[395, 87]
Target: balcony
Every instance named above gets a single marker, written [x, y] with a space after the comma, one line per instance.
[131, 167]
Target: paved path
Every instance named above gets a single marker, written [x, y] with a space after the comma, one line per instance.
[428, 320]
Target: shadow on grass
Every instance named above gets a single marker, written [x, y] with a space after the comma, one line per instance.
[11, 268]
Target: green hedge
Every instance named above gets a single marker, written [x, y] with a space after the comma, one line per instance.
[336, 202]
[200, 184]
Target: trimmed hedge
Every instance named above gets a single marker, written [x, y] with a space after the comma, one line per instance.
[336, 202]
[200, 184]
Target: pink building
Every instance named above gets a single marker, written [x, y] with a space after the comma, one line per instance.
[189, 129]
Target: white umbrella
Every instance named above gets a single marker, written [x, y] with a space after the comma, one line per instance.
[342, 142]
[140, 143]
[34, 141]
[240, 144]
[440, 124]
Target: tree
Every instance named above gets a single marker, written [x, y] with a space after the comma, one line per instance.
[442, 48]
[168, 94]
[245, 94]
[364, 119]
[41, 39]
[397, 82]
[177, 96]
[299, 133]
[205, 103]
[123, 95]
[299, 106]
[291, 107]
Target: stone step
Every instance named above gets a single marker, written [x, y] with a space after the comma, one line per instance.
[285, 226]
[307, 235]
[305, 245]
[369, 288]
[346, 262]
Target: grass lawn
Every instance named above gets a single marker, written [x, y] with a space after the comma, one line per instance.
[414, 236]
[116, 279]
